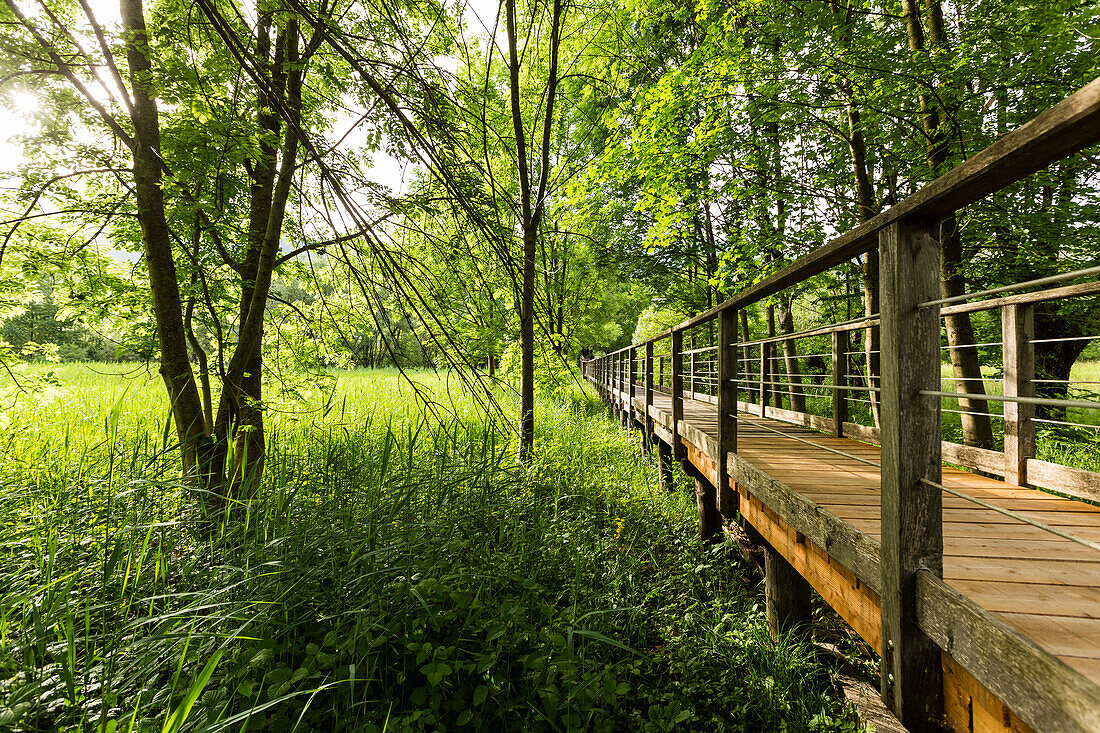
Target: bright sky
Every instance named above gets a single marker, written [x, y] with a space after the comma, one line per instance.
[17, 115]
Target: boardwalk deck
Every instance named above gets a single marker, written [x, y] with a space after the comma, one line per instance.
[1042, 585]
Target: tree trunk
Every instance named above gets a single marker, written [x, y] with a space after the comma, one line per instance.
[790, 360]
[175, 368]
[977, 428]
[532, 205]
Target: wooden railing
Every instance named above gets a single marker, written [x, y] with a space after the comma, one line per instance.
[920, 614]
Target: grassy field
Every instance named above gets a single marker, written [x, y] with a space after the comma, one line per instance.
[398, 572]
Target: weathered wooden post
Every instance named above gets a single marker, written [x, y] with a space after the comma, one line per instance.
[764, 378]
[647, 419]
[632, 377]
[727, 355]
[624, 412]
[787, 595]
[912, 510]
[678, 449]
[840, 382]
[616, 368]
[691, 369]
[1018, 329]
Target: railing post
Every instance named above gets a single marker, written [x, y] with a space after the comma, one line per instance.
[912, 510]
[727, 354]
[764, 378]
[1018, 329]
[691, 370]
[678, 450]
[624, 412]
[632, 378]
[647, 420]
[615, 368]
[840, 382]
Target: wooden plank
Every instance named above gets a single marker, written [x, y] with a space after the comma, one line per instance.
[838, 586]
[1069, 291]
[1046, 693]
[866, 433]
[1018, 329]
[850, 547]
[911, 511]
[1049, 600]
[970, 707]
[1062, 636]
[975, 514]
[1063, 479]
[981, 459]
[816, 422]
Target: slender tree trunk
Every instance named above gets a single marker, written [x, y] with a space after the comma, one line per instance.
[175, 368]
[966, 368]
[790, 360]
[532, 206]
[745, 367]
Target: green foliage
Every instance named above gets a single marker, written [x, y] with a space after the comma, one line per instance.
[398, 572]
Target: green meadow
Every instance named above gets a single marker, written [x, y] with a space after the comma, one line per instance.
[398, 571]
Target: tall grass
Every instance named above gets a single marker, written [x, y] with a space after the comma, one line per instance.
[398, 571]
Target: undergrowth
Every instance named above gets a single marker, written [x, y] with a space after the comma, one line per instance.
[398, 572]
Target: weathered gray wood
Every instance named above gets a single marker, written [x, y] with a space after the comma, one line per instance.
[632, 378]
[664, 463]
[677, 392]
[706, 509]
[765, 377]
[847, 545]
[840, 379]
[781, 414]
[727, 408]
[1018, 329]
[646, 418]
[867, 701]
[1072, 481]
[865, 433]
[691, 367]
[1042, 690]
[786, 596]
[1068, 291]
[912, 511]
[967, 456]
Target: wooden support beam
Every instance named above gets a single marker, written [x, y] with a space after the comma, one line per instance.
[648, 417]
[1046, 693]
[727, 408]
[677, 392]
[632, 377]
[840, 381]
[664, 463]
[787, 595]
[912, 511]
[765, 391]
[706, 509]
[1018, 330]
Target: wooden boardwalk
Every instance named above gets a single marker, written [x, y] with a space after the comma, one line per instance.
[1042, 585]
[980, 595]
